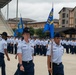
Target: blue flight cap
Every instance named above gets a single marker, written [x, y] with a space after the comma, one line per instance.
[57, 35]
[26, 30]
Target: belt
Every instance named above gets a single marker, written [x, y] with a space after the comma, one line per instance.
[57, 64]
[27, 62]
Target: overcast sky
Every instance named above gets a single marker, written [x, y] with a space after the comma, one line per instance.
[38, 9]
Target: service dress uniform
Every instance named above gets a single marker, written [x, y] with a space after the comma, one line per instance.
[75, 46]
[15, 45]
[8, 44]
[27, 52]
[64, 43]
[35, 47]
[57, 53]
[67, 47]
[12, 45]
[3, 45]
[44, 47]
[38, 46]
[71, 46]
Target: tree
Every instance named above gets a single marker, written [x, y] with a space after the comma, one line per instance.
[32, 31]
[42, 34]
[14, 29]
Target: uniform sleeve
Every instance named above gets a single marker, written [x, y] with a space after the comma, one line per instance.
[32, 50]
[19, 48]
[32, 47]
[5, 45]
[49, 50]
[63, 49]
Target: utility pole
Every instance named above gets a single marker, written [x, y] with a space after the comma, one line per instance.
[7, 12]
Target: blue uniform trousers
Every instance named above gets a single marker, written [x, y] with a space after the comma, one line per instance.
[15, 48]
[2, 64]
[8, 47]
[75, 49]
[11, 48]
[67, 49]
[72, 49]
[28, 67]
[44, 50]
[58, 69]
[41, 50]
[35, 50]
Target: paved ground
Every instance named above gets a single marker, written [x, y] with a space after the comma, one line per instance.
[69, 62]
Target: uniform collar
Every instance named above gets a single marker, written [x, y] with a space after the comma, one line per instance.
[56, 44]
[0, 38]
[26, 42]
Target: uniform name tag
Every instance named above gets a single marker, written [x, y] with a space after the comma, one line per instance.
[54, 48]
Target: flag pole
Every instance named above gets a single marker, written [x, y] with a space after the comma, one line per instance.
[20, 15]
[7, 11]
[52, 49]
[17, 13]
[51, 55]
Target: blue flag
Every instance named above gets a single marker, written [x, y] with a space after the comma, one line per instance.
[20, 26]
[16, 33]
[49, 26]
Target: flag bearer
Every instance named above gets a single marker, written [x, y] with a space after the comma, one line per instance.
[3, 50]
[56, 54]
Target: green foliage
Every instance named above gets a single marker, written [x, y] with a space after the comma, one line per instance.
[40, 33]
[14, 29]
[19, 34]
[32, 31]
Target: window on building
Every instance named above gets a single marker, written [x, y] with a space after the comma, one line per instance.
[34, 25]
[67, 15]
[63, 26]
[63, 15]
[63, 21]
[67, 22]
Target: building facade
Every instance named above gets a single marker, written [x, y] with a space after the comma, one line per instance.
[30, 23]
[67, 17]
[13, 23]
[37, 25]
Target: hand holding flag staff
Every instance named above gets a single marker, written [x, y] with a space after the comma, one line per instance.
[49, 26]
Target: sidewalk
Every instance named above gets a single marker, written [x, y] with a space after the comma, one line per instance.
[69, 62]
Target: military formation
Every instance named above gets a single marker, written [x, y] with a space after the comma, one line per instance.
[69, 45]
[40, 45]
[25, 48]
